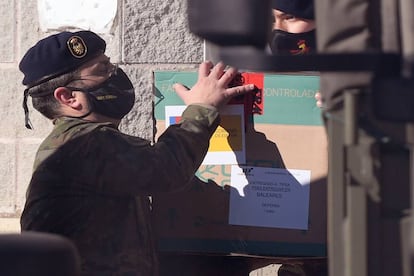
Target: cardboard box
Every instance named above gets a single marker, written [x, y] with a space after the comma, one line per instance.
[267, 216]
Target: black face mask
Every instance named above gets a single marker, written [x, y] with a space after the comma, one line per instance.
[282, 42]
[113, 98]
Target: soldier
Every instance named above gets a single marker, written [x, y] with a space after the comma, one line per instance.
[91, 183]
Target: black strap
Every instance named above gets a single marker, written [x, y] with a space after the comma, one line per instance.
[27, 122]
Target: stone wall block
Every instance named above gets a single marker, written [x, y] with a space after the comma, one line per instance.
[157, 32]
[7, 176]
[7, 31]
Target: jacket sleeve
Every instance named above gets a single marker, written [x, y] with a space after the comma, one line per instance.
[126, 165]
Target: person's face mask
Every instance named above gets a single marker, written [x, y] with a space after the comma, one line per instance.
[113, 98]
[282, 42]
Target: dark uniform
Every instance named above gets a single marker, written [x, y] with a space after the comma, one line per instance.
[91, 184]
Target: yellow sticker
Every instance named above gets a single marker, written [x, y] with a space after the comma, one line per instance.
[228, 136]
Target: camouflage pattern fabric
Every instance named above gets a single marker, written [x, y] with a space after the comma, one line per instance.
[91, 183]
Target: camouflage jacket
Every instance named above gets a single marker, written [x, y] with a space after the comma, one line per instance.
[91, 183]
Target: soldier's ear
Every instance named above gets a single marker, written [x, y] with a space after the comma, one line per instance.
[65, 96]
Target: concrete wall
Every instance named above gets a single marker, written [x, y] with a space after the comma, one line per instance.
[146, 35]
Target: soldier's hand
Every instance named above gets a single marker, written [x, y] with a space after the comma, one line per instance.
[319, 100]
[212, 86]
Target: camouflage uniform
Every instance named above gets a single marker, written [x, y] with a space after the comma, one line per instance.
[91, 184]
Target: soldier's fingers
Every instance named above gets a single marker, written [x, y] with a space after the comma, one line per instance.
[181, 91]
[204, 69]
[318, 96]
[239, 90]
[228, 76]
[218, 70]
[319, 100]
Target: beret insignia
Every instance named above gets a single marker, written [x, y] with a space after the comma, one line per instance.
[77, 46]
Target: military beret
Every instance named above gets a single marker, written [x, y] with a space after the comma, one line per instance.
[299, 8]
[59, 54]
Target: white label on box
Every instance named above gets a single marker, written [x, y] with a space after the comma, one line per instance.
[269, 197]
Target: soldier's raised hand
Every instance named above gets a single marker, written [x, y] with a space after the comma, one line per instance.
[212, 86]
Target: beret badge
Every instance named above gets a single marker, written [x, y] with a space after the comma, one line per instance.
[77, 46]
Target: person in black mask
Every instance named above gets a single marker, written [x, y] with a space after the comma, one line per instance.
[91, 183]
[293, 31]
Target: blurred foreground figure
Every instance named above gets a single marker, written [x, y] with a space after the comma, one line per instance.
[293, 33]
